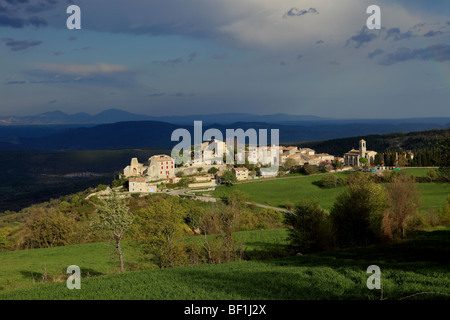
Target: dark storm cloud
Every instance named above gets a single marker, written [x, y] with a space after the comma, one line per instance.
[16, 22]
[438, 52]
[319, 42]
[375, 53]
[170, 63]
[40, 6]
[397, 35]
[17, 45]
[362, 38]
[432, 33]
[6, 21]
[16, 13]
[192, 56]
[294, 12]
[15, 2]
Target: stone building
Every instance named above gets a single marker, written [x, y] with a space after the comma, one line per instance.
[214, 151]
[135, 169]
[161, 167]
[240, 173]
[141, 185]
[352, 157]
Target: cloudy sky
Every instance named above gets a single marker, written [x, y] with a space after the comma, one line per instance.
[177, 57]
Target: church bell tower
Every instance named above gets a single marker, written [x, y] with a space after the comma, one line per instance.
[362, 148]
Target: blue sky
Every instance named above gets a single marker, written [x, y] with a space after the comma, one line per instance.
[175, 57]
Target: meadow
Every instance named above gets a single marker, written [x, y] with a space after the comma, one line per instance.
[24, 268]
[413, 269]
[268, 271]
[277, 192]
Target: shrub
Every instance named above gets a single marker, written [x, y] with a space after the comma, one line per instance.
[403, 200]
[311, 228]
[432, 175]
[101, 187]
[213, 170]
[328, 181]
[357, 212]
[289, 205]
[159, 231]
[48, 228]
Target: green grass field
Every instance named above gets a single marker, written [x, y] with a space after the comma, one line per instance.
[411, 267]
[19, 268]
[277, 192]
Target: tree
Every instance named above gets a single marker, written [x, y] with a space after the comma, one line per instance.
[378, 161]
[200, 169]
[308, 169]
[185, 181]
[159, 231]
[336, 164]
[114, 218]
[364, 161]
[357, 212]
[290, 163]
[48, 228]
[228, 178]
[224, 222]
[403, 201]
[213, 170]
[311, 228]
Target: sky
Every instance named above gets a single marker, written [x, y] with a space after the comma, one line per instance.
[180, 57]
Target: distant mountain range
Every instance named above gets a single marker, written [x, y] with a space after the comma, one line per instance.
[116, 115]
[155, 134]
[113, 128]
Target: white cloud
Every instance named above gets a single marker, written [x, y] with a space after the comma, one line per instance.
[81, 69]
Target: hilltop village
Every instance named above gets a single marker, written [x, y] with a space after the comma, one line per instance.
[209, 171]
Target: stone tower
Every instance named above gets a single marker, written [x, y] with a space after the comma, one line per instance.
[362, 148]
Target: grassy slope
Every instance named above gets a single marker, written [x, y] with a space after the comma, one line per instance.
[407, 268]
[279, 191]
[18, 268]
